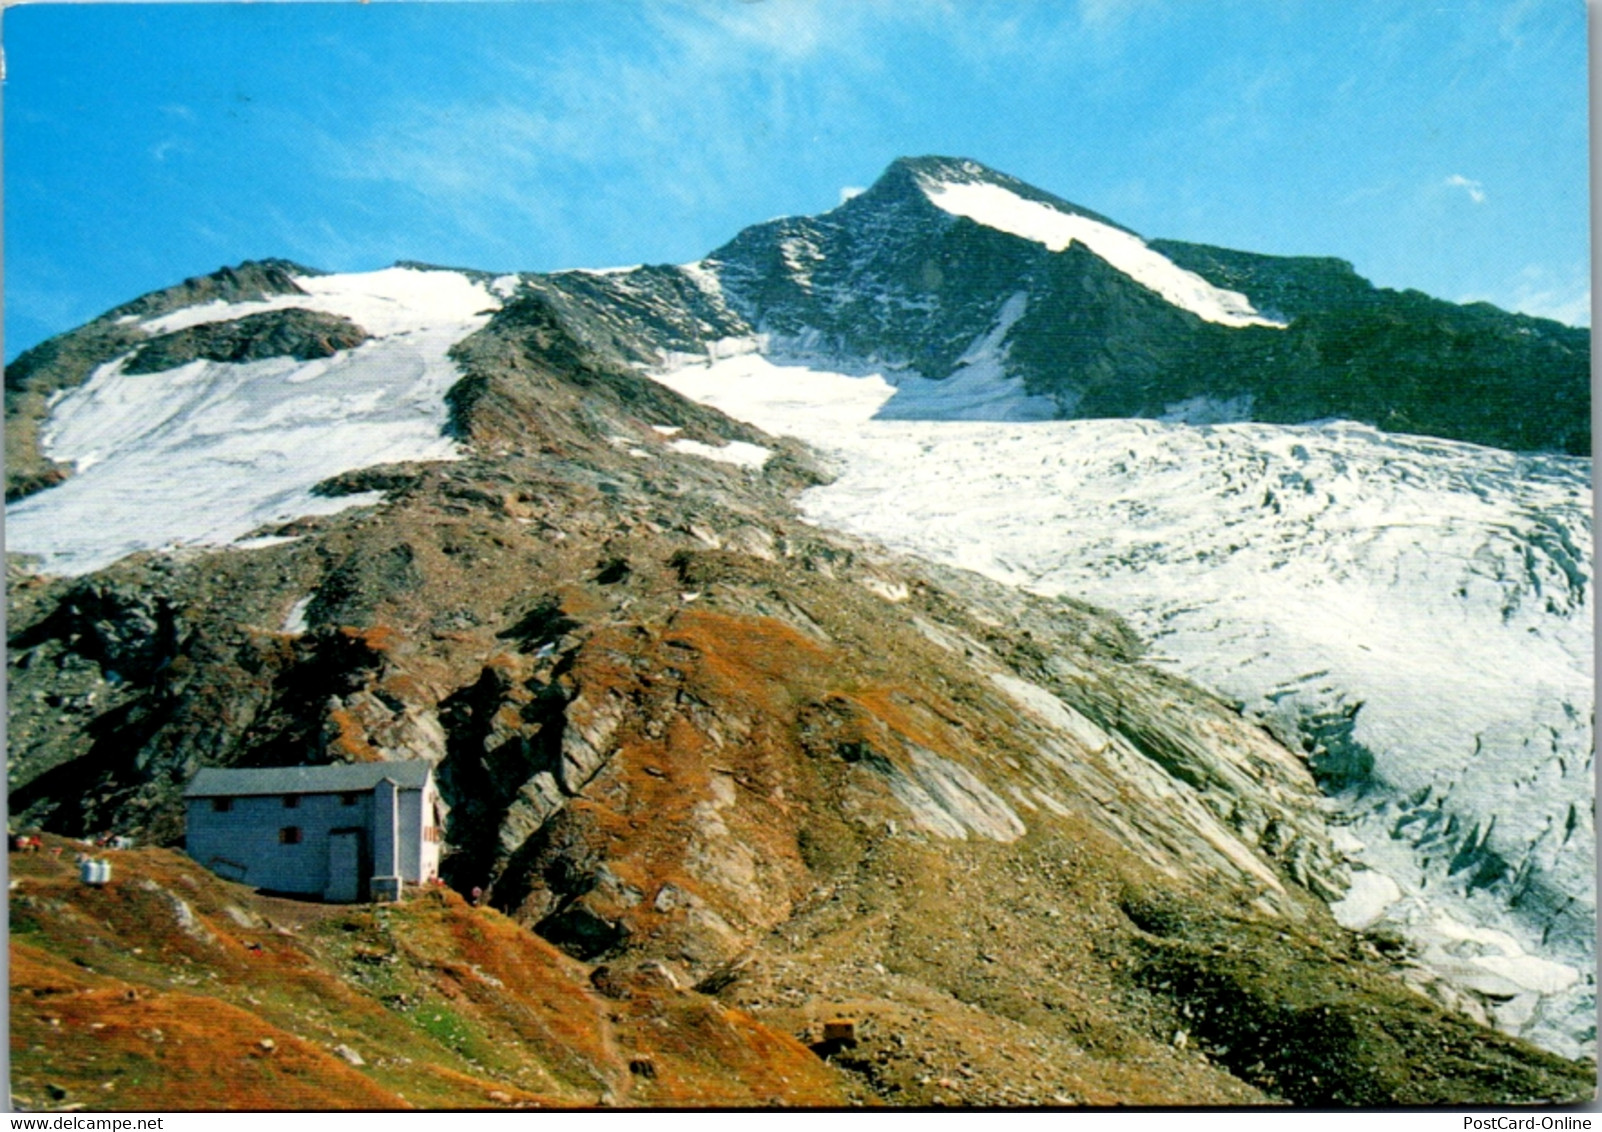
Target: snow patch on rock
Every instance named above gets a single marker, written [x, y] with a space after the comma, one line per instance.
[210, 451]
[295, 619]
[1365, 902]
[1001, 208]
[737, 452]
[979, 388]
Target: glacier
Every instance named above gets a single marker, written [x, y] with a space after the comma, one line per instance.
[208, 452]
[1415, 613]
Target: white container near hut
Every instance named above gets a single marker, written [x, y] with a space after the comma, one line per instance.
[95, 872]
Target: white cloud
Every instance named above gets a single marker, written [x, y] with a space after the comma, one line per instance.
[787, 28]
[683, 102]
[1103, 15]
[1475, 190]
[849, 191]
[684, 107]
[1563, 294]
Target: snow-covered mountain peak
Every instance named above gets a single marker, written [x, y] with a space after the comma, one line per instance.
[907, 178]
[911, 275]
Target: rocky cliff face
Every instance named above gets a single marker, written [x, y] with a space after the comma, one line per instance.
[729, 763]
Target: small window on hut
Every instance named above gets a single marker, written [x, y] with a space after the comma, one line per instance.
[349, 799]
[221, 805]
[291, 801]
[289, 835]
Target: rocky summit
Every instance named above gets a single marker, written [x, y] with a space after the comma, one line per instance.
[950, 650]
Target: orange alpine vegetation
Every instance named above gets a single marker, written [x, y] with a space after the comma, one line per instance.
[170, 988]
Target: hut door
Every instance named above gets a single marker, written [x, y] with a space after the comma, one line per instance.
[344, 867]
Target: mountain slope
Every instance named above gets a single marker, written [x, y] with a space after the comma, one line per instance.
[949, 291]
[170, 988]
[686, 728]
[65, 361]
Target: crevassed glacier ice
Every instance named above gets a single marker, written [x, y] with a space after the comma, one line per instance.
[1416, 612]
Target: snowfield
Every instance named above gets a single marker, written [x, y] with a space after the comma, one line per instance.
[997, 207]
[208, 452]
[1421, 607]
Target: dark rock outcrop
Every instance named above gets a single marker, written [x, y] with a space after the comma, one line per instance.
[289, 333]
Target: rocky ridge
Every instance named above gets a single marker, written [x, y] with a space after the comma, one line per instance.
[890, 281]
[289, 333]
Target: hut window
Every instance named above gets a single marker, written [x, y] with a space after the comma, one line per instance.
[291, 801]
[289, 835]
[221, 805]
[349, 799]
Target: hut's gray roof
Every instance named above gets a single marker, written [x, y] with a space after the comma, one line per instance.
[339, 778]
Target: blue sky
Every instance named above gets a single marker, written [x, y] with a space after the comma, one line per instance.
[1439, 146]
